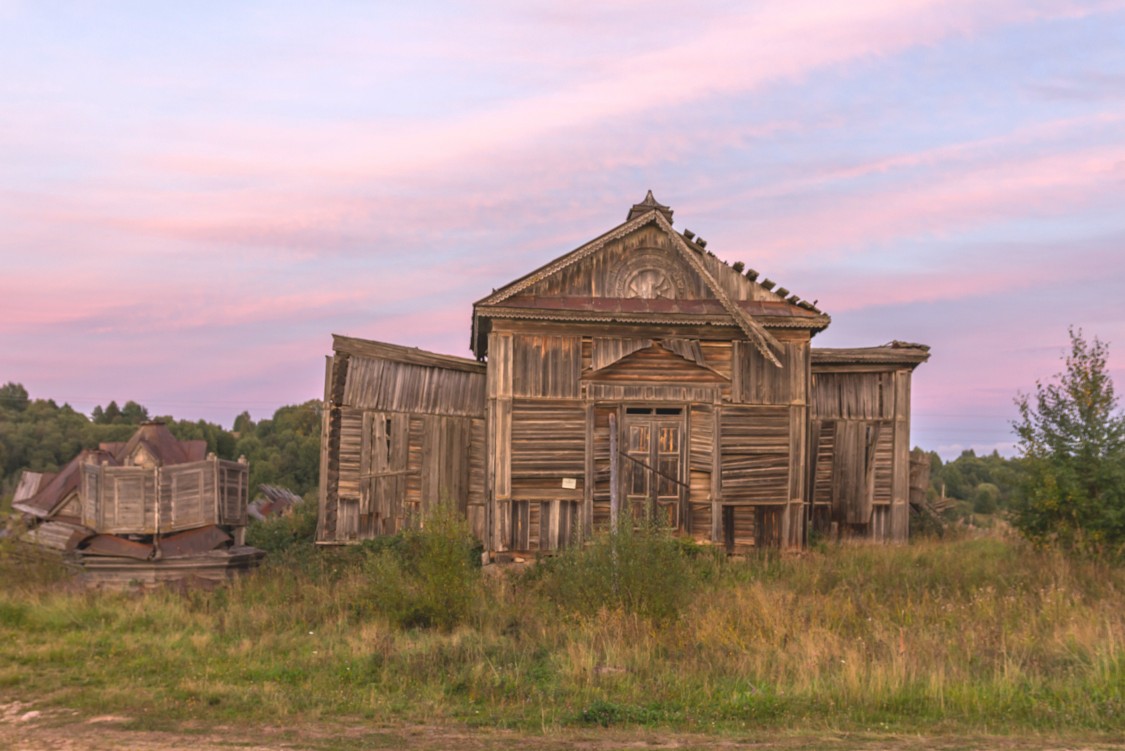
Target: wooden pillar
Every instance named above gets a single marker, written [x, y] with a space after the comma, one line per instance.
[499, 437]
[614, 485]
[587, 514]
[717, 477]
[900, 478]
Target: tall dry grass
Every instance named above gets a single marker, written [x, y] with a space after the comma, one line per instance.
[973, 635]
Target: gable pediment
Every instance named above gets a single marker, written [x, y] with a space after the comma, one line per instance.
[675, 361]
[643, 267]
[641, 264]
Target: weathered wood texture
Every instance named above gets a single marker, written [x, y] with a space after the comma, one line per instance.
[159, 500]
[659, 365]
[406, 431]
[395, 467]
[546, 366]
[403, 387]
[758, 381]
[859, 430]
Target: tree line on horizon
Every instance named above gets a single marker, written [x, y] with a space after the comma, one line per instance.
[42, 436]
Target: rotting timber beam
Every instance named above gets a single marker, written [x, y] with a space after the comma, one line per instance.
[339, 377]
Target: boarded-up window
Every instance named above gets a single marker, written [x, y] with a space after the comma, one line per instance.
[548, 450]
[755, 454]
[383, 472]
[853, 470]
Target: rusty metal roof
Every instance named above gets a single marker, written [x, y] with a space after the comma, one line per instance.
[61, 485]
[164, 447]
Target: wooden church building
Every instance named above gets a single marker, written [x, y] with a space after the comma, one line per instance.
[636, 377]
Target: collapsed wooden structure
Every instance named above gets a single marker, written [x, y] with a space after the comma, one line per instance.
[148, 510]
[638, 374]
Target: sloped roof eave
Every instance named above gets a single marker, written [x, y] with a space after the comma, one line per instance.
[642, 317]
[895, 354]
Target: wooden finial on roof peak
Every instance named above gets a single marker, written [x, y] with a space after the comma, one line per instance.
[649, 204]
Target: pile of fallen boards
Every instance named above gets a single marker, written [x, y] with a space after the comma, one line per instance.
[204, 556]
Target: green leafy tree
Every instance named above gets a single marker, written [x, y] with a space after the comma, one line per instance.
[1072, 446]
[13, 396]
[985, 498]
[41, 436]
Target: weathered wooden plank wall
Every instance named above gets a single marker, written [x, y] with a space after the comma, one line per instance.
[859, 423]
[406, 431]
[403, 387]
[163, 499]
[755, 380]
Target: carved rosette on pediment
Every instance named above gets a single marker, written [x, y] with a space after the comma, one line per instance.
[648, 274]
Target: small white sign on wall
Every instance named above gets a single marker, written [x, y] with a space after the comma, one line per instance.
[570, 483]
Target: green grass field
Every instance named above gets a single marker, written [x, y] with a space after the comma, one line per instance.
[971, 636]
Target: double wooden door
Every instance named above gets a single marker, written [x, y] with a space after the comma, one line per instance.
[652, 464]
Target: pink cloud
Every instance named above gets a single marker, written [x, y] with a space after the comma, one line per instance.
[948, 200]
[976, 271]
[743, 52]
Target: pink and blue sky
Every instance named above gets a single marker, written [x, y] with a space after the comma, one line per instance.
[195, 196]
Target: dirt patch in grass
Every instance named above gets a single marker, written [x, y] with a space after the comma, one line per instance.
[23, 728]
